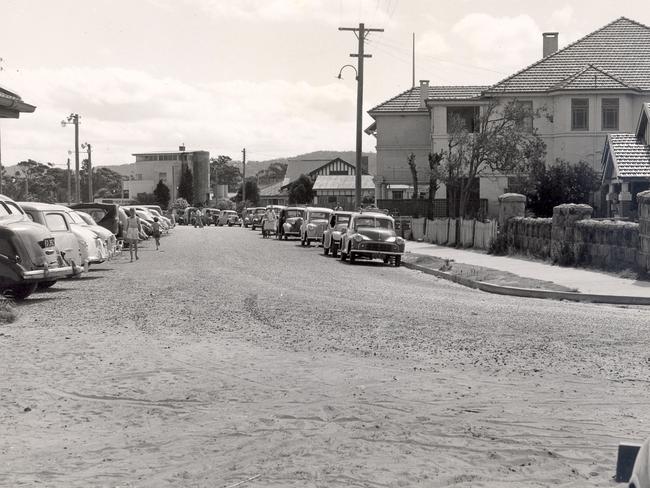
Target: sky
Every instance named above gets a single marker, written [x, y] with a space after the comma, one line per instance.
[217, 75]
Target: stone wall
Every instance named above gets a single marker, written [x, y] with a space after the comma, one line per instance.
[529, 236]
[572, 237]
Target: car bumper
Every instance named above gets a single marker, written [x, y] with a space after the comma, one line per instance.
[375, 253]
[49, 273]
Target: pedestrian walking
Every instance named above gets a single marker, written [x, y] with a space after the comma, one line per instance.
[198, 218]
[156, 232]
[133, 229]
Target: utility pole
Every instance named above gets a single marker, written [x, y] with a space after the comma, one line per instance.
[243, 188]
[74, 119]
[361, 32]
[69, 186]
[413, 63]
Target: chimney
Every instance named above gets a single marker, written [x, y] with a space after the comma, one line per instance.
[181, 147]
[550, 43]
[424, 93]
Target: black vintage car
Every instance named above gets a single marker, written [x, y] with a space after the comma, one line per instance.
[289, 222]
[105, 214]
[27, 253]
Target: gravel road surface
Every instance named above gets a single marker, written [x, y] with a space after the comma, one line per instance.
[228, 358]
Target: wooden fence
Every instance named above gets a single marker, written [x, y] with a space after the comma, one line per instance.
[473, 233]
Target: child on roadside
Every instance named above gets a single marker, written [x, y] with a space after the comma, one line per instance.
[156, 231]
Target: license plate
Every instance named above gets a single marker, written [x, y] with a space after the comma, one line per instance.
[48, 242]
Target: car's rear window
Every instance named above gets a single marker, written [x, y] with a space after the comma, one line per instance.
[318, 216]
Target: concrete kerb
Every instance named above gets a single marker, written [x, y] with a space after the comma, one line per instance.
[531, 293]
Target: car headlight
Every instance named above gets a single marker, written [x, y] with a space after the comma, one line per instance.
[400, 240]
[391, 239]
[357, 238]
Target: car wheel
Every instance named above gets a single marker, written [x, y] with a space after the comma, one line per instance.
[326, 250]
[46, 284]
[335, 249]
[303, 241]
[344, 256]
[353, 258]
[20, 292]
[386, 259]
[229, 225]
[252, 227]
[286, 237]
[398, 261]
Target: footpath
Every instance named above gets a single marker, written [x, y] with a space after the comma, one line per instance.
[603, 287]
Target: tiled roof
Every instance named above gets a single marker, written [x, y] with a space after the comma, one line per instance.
[4, 93]
[621, 49]
[409, 101]
[342, 182]
[589, 78]
[274, 189]
[631, 156]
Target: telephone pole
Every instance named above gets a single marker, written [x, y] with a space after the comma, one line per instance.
[361, 32]
[69, 177]
[243, 186]
[89, 151]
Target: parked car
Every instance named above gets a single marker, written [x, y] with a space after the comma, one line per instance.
[314, 224]
[332, 234]
[289, 222]
[256, 217]
[165, 222]
[371, 235]
[228, 217]
[107, 215]
[107, 236]
[211, 216]
[28, 254]
[57, 218]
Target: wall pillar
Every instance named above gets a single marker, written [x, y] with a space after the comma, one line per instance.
[564, 248]
[511, 205]
[624, 200]
[643, 254]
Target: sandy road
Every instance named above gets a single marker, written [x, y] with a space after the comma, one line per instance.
[227, 357]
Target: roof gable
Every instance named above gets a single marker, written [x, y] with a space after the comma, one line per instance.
[629, 156]
[642, 126]
[590, 78]
[621, 49]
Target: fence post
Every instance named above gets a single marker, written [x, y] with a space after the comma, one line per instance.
[511, 205]
[563, 250]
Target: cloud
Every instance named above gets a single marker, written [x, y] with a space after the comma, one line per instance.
[125, 111]
[508, 42]
[320, 11]
[433, 43]
[562, 16]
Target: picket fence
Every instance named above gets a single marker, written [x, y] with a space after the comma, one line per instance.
[473, 233]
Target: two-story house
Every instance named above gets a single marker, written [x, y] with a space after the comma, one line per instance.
[586, 90]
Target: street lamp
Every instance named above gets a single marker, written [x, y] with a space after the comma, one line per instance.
[357, 178]
[74, 119]
[89, 150]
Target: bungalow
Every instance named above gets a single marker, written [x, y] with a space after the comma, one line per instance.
[626, 167]
[588, 89]
[339, 190]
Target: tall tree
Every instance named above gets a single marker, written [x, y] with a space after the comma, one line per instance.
[185, 186]
[162, 194]
[223, 172]
[252, 192]
[414, 175]
[273, 174]
[502, 143]
[301, 190]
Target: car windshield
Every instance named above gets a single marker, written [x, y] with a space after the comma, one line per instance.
[373, 222]
[260, 211]
[342, 219]
[4, 210]
[13, 208]
[318, 216]
[294, 213]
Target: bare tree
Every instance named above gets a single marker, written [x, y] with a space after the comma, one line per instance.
[434, 177]
[502, 142]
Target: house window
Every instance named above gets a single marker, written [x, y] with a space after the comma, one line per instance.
[526, 123]
[610, 114]
[465, 118]
[579, 114]
[162, 176]
[398, 195]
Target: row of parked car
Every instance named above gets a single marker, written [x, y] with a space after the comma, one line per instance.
[366, 234]
[41, 243]
[208, 216]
